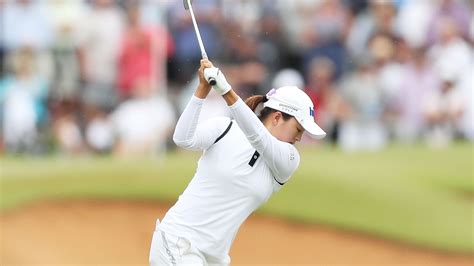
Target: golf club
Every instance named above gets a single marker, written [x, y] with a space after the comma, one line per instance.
[188, 6]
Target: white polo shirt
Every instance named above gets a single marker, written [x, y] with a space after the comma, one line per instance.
[235, 175]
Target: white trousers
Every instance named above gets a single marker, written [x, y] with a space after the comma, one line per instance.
[170, 250]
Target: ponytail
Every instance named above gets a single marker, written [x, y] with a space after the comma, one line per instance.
[255, 103]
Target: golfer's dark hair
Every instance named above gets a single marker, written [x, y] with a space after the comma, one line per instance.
[255, 100]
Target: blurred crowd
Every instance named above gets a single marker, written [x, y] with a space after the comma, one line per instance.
[112, 76]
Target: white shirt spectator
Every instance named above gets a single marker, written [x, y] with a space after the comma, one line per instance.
[450, 103]
[142, 125]
[390, 78]
[20, 118]
[364, 129]
[417, 83]
[413, 21]
[288, 76]
[454, 56]
[99, 36]
[66, 14]
[99, 134]
[26, 25]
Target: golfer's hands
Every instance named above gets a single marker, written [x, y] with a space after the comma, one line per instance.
[205, 63]
[204, 88]
[222, 86]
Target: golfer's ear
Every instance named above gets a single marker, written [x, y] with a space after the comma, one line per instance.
[276, 117]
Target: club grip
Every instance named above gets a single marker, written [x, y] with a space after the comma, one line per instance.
[212, 81]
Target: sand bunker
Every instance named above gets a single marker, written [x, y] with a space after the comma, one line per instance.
[119, 233]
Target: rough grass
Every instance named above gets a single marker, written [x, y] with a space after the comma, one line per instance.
[412, 194]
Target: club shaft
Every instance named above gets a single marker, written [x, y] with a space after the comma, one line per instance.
[198, 34]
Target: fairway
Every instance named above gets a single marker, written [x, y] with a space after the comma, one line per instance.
[413, 195]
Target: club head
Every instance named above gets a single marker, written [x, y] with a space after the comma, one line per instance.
[185, 3]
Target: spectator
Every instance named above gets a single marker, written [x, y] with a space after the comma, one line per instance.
[300, 12]
[451, 57]
[455, 10]
[249, 78]
[450, 51]
[23, 103]
[65, 16]
[443, 111]
[245, 67]
[25, 23]
[325, 33]
[288, 77]
[385, 52]
[142, 51]
[187, 50]
[65, 87]
[379, 18]
[357, 6]
[66, 130]
[244, 14]
[413, 20]
[152, 12]
[363, 128]
[99, 39]
[143, 123]
[326, 97]
[252, 33]
[419, 80]
[99, 42]
[272, 43]
[99, 133]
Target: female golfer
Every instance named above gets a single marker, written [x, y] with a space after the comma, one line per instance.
[244, 162]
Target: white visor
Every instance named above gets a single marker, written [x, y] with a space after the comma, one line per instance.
[295, 102]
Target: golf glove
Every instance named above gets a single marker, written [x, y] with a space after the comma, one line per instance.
[222, 86]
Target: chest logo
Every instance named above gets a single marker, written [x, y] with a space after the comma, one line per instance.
[254, 158]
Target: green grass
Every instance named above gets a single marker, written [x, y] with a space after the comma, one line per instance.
[412, 194]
